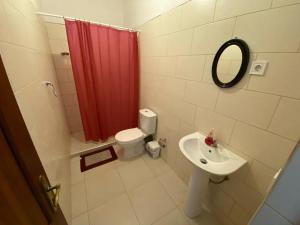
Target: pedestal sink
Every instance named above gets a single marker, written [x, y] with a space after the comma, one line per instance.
[208, 161]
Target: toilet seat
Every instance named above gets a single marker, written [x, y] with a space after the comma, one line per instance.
[129, 136]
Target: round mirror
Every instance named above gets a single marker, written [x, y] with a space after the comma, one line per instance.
[230, 63]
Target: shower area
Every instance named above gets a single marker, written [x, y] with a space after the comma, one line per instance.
[58, 40]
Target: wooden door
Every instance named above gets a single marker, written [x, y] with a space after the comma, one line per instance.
[23, 200]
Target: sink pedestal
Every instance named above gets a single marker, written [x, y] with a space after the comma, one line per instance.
[197, 191]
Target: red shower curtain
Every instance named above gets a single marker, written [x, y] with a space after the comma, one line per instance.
[105, 67]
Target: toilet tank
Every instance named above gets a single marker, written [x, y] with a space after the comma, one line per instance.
[147, 121]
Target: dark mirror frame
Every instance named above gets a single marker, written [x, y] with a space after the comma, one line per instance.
[245, 61]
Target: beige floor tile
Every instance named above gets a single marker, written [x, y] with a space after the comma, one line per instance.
[100, 170]
[81, 220]
[174, 186]
[76, 175]
[115, 212]
[157, 166]
[239, 216]
[150, 202]
[78, 196]
[103, 187]
[134, 173]
[173, 218]
[203, 219]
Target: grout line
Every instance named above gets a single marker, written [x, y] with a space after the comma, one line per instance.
[215, 9]
[132, 207]
[234, 28]
[273, 114]
[279, 213]
[156, 220]
[214, 21]
[282, 6]
[298, 48]
[247, 123]
[192, 41]
[230, 137]
[217, 100]
[238, 120]
[271, 4]
[212, 54]
[267, 9]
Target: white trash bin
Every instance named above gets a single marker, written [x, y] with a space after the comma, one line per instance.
[153, 149]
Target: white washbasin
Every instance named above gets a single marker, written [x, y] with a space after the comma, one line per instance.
[220, 161]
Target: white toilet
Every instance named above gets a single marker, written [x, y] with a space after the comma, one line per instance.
[132, 140]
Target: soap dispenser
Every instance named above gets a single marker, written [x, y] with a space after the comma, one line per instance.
[209, 140]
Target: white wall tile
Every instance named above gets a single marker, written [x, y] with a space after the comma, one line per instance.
[201, 94]
[286, 121]
[61, 62]
[58, 46]
[208, 38]
[151, 28]
[265, 31]
[4, 27]
[207, 120]
[220, 201]
[197, 12]
[260, 177]
[170, 21]
[180, 43]
[56, 31]
[190, 67]
[150, 65]
[166, 66]
[230, 8]
[241, 105]
[158, 46]
[23, 71]
[265, 147]
[281, 76]
[278, 3]
[175, 87]
[242, 194]
[184, 111]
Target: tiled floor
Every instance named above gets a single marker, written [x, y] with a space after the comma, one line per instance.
[142, 191]
[79, 145]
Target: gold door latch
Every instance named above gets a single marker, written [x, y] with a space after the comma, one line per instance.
[52, 192]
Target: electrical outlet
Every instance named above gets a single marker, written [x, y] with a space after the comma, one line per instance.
[258, 67]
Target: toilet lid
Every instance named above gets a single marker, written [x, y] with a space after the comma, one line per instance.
[129, 135]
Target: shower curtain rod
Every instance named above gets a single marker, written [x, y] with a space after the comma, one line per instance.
[72, 18]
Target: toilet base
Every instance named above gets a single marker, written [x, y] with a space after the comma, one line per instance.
[131, 151]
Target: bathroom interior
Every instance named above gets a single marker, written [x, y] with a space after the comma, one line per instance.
[161, 112]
